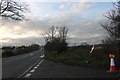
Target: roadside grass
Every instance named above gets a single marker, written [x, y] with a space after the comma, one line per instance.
[80, 56]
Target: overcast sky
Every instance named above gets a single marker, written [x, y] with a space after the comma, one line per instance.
[82, 19]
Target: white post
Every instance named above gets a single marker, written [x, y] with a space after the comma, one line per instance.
[93, 47]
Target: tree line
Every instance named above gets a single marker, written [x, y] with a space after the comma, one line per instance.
[13, 50]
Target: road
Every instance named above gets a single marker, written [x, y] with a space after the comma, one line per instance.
[49, 69]
[31, 65]
[14, 67]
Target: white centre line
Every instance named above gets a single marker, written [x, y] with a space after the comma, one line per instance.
[35, 67]
[40, 62]
[27, 75]
[42, 56]
[31, 54]
[29, 68]
[32, 70]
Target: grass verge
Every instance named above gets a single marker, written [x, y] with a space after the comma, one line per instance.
[80, 56]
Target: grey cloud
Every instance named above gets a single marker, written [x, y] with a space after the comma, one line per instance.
[82, 29]
[24, 41]
[89, 31]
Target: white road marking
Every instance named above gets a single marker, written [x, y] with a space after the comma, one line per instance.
[31, 54]
[28, 69]
[42, 56]
[32, 70]
[35, 67]
[40, 62]
[27, 75]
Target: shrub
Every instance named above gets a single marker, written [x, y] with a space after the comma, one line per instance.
[59, 46]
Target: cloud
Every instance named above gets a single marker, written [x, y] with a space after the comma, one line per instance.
[23, 41]
[61, 6]
[31, 32]
[89, 31]
[77, 8]
[81, 29]
[80, 7]
[16, 33]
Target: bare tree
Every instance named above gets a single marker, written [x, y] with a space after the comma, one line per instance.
[113, 28]
[51, 34]
[63, 32]
[60, 33]
[56, 38]
[13, 10]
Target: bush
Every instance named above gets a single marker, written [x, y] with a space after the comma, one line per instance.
[59, 46]
[7, 53]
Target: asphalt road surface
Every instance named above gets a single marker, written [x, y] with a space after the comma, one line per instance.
[15, 67]
[49, 69]
[32, 65]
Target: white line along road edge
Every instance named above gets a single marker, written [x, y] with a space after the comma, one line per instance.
[32, 70]
[29, 74]
[40, 61]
